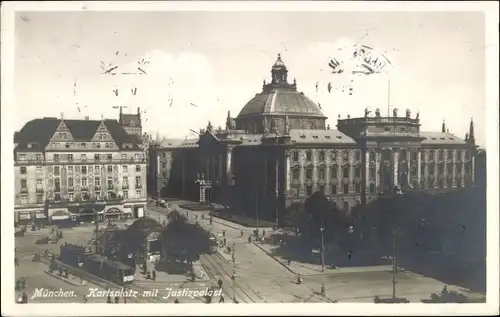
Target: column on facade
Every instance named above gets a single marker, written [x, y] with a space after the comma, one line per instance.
[265, 173]
[454, 168]
[302, 171]
[419, 168]
[315, 169]
[408, 167]
[158, 168]
[327, 173]
[462, 168]
[288, 175]
[473, 169]
[436, 168]
[445, 168]
[378, 155]
[229, 172]
[183, 166]
[219, 168]
[350, 161]
[395, 163]
[426, 168]
[367, 171]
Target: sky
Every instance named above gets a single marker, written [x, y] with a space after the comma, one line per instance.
[218, 61]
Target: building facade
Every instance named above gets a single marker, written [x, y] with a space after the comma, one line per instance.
[279, 150]
[61, 166]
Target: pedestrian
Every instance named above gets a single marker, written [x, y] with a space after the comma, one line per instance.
[241, 233]
[323, 290]
[299, 279]
[349, 255]
[24, 298]
[148, 275]
[221, 300]
[250, 239]
[219, 282]
[154, 275]
[85, 299]
[225, 241]
[109, 300]
[263, 232]
[289, 262]
[224, 233]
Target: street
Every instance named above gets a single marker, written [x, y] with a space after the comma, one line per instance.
[260, 278]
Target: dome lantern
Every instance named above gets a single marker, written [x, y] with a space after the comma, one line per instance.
[279, 72]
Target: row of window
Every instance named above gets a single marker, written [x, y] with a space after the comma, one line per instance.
[82, 169]
[322, 173]
[333, 189]
[386, 155]
[83, 157]
[82, 181]
[71, 196]
[322, 155]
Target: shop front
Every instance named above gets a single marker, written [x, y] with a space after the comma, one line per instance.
[89, 213]
[127, 212]
[113, 213]
[24, 218]
[139, 211]
[41, 217]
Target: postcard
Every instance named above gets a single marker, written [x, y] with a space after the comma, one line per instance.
[242, 158]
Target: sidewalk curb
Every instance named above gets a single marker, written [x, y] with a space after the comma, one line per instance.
[274, 258]
[66, 280]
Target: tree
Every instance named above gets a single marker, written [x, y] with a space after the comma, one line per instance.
[295, 216]
[185, 241]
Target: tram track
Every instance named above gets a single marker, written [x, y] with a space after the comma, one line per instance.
[105, 283]
[210, 262]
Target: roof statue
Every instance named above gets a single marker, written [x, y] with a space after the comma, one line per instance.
[287, 125]
[230, 123]
[418, 115]
[328, 127]
[266, 128]
[367, 112]
[395, 112]
[377, 112]
[209, 127]
[408, 113]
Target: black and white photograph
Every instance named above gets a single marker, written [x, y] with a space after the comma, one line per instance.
[223, 152]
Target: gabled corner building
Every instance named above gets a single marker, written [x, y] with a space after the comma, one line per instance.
[280, 150]
[78, 168]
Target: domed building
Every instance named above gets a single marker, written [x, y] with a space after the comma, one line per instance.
[279, 150]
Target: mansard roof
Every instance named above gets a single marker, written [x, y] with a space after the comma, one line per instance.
[320, 137]
[38, 132]
[437, 138]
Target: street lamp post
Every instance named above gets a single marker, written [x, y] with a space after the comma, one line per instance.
[322, 249]
[394, 264]
[257, 211]
[234, 272]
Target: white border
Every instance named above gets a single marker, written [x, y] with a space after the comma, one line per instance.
[490, 10]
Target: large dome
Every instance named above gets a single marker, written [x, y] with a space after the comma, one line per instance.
[280, 97]
[281, 101]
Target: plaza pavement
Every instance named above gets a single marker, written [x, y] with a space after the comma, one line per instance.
[268, 278]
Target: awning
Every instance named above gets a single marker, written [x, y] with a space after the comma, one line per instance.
[61, 217]
[40, 215]
[127, 210]
[24, 215]
[113, 211]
